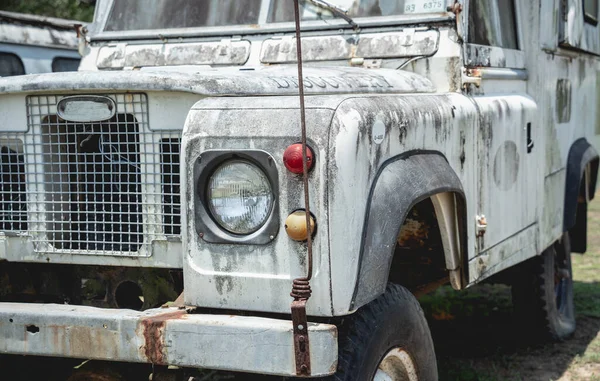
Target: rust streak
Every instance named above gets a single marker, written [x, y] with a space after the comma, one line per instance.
[152, 330]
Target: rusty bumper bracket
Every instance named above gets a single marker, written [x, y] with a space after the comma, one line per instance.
[301, 342]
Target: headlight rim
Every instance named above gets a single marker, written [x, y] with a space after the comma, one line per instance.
[206, 227]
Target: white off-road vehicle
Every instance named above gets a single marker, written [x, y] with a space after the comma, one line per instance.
[32, 44]
[152, 205]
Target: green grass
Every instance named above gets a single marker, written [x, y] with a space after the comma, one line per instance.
[587, 298]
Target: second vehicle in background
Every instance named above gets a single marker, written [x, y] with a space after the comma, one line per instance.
[32, 44]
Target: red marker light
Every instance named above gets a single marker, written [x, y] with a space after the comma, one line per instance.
[292, 158]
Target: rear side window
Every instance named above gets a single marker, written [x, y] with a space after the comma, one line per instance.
[10, 64]
[590, 9]
[65, 64]
[493, 23]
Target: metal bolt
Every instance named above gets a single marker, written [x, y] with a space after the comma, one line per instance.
[481, 225]
[201, 235]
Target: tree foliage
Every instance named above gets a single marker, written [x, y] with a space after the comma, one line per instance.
[66, 9]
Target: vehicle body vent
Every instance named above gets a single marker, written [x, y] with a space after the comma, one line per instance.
[169, 149]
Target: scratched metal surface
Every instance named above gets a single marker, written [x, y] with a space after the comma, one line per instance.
[167, 336]
[478, 119]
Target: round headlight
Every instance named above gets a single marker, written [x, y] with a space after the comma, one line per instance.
[239, 197]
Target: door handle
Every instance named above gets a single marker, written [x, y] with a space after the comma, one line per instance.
[529, 140]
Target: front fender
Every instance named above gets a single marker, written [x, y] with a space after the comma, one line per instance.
[401, 183]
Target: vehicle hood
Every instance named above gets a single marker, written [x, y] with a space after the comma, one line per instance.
[281, 80]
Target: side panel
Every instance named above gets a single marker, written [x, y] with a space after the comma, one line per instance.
[38, 59]
[565, 84]
[507, 166]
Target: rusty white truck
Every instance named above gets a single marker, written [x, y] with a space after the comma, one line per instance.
[152, 205]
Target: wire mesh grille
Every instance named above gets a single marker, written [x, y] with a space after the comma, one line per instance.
[103, 188]
[13, 197]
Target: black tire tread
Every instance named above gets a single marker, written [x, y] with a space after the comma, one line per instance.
[531, 300]
[535, 309]
[361, 326]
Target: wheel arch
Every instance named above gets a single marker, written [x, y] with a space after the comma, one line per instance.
[580, 186]
[419, 175]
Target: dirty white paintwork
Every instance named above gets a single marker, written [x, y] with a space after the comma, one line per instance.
[478, 106]
[497, 169]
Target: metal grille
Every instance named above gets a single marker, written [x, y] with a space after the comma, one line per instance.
[102, 188]
[169, 149]
[13, 198]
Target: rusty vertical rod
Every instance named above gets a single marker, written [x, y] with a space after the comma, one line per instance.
[304, 148]
[301, 287]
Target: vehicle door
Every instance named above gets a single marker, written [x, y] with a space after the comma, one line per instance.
[506, 151]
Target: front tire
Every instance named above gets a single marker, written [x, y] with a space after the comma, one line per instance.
[543, 294]
[388, 339]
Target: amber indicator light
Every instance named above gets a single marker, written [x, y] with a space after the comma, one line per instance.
[296, 228]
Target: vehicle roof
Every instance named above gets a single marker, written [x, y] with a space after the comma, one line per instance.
[35, 20]
[23, 29]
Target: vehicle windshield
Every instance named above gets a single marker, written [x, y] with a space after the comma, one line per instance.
[168, 14]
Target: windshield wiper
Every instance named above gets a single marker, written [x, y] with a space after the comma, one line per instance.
[337, 11]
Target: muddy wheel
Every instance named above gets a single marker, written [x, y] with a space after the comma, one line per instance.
[388, 339]
[543, 294]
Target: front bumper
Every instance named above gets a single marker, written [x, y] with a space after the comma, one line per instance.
[167, 336]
